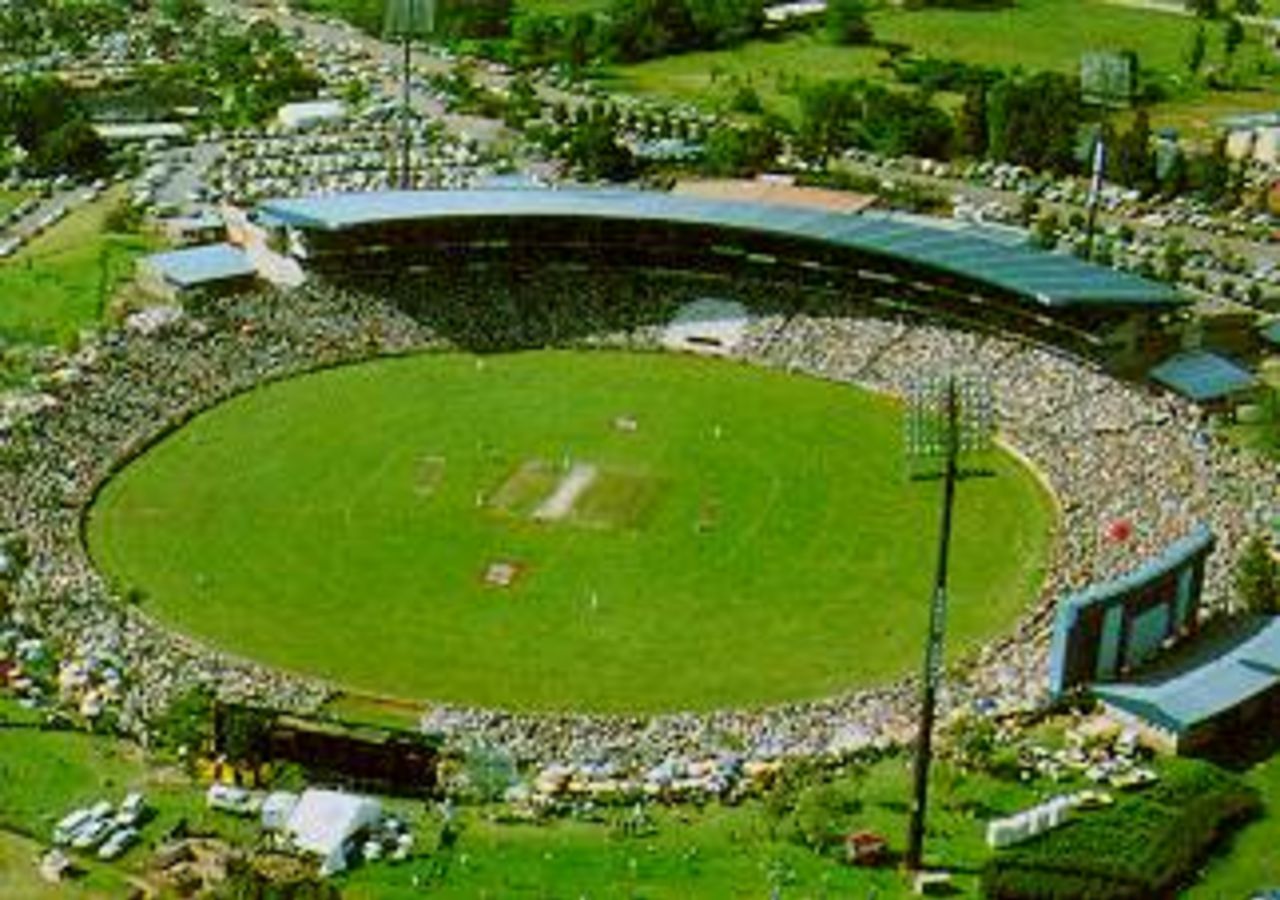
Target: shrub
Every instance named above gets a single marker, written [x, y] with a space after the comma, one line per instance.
[823, 814]
[1143, 847]
[1258, 578]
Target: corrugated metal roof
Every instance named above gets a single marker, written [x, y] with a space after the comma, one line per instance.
[1220, 676]
[1045, 278]
[201, 265]
[1271, 333]
[1200, 375]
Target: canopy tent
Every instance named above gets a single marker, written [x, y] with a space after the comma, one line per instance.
[323, 822]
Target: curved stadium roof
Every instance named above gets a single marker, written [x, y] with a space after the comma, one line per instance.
[1048, 279]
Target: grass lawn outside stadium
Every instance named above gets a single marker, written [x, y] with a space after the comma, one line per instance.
[732, 537]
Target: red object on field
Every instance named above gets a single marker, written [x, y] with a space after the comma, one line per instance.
[1120, 531]
[865, 848]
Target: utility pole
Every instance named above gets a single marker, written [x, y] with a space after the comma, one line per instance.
[406, 20]
[949, 420]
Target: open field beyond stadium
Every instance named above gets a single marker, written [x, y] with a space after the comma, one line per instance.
[58, 283]
[1032, 34]
[750, 536]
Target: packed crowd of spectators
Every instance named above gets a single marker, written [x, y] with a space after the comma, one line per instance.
[1110, 451]
[103, 404]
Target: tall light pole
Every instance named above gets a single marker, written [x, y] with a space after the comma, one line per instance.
[949, 423]
[1095, 192]
[406, 20]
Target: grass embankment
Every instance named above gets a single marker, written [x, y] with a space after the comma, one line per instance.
[46, 774]
[716, 851]
[60, 282]
[747, 850]
[10, 200]
[753, 539]
[1249, 862]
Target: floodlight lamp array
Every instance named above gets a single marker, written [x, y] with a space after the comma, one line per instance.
[932, 429]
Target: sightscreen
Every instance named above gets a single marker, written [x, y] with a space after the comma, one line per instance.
[1108, 630]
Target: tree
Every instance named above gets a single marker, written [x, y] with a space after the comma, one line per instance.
[535, 37]
[846, 22]
[1174, 258]
[746, 100]
[1203, 9]
[823, 814]
[828, 112]
[474, 18]
[1248, 7]
[74, 149]
[1034, 121]
[1258, 578]
[1133, 162]
[185, 13]
[1232, 38]
[594, 151]
[897, 124]
[487, 772]
[740, 152]
[1047, 228]
[1210, 174]
[1176, 177]
[1196, 50]
[579, 40]
[188, 721]
[522, 102]
[971, 124]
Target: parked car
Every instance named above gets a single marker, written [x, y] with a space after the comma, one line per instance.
[119, 841]
[92, 833]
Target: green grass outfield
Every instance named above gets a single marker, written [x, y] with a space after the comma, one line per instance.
[754, 539]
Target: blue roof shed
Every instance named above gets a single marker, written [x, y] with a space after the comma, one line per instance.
[1218, 676]
[1202, 376]
[199, 266]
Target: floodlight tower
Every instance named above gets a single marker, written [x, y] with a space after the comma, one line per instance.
[406, 20]
[949, 429]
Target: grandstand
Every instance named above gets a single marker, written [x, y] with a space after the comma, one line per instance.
[896, 263]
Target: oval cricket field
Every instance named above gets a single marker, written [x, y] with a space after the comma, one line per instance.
[558, 530]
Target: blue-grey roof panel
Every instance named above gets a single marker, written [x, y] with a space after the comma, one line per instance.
[194, 266]
[1053, 280]
[1207, 685]
[1200, 375]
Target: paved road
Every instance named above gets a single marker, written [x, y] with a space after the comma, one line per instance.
[48, 210]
